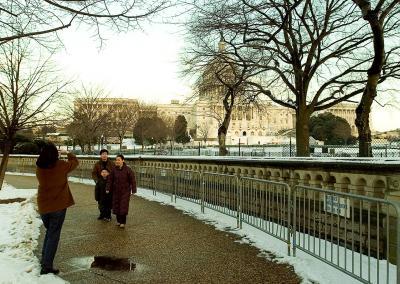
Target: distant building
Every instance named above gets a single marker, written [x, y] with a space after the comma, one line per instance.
[249, 124]
[346, 111]
[252, 125]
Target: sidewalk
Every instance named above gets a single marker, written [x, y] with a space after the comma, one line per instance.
[166, 245]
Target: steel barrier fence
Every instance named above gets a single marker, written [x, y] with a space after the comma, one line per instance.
[164, 181]
[188, 186]
[266, 205]
[221, 193]
[358, 235]
[348, 231]
[145, 177]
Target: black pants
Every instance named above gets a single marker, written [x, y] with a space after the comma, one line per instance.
[121, 219]
[105, 205]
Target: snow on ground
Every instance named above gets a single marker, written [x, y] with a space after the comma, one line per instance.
[19, 232]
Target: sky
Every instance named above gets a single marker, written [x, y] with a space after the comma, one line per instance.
[145, 65]
[20, 225]
[142, 64]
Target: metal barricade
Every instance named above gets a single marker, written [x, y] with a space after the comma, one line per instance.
[266, 205]
[144, 176]
[188, 186]
[221, 193]
[356, 234]
[164, 181]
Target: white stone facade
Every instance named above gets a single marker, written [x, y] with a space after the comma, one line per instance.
[252, 125]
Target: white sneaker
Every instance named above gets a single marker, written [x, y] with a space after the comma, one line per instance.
[122, 226]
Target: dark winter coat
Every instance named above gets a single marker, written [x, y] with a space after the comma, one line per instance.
[100, 189]
[53, 192]
[121, 182]
[96, 172]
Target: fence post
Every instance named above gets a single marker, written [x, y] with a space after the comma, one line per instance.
[154, 181]
[240, 201]
[289, 227]
[202, 192]
[173, 186]
[175, 183]
[238, 205]
[397, 210]
[294, 220]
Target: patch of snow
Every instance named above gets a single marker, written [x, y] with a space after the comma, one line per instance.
[19, 232]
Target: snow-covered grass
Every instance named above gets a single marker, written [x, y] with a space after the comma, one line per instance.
[19, 232]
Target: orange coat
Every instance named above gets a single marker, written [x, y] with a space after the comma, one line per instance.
[53, 192]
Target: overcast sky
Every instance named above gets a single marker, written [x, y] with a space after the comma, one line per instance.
[145, 65]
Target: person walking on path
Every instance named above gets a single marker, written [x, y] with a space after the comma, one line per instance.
[121, 183]
[103, 163]
[103, 197]
[53, 199]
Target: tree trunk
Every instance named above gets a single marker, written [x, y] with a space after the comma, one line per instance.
[374, 72]
[4, 160]
[302, 133]
[362, 117]
[120, 143]
[222, 130]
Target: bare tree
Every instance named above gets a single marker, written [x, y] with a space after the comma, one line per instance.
[220, 80]
[28, 87]
[90, 116]
[124, 118]
[203, 131]
[305, 55]
[385, 14]
[33, 19]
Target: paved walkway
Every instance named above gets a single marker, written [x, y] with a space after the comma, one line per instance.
[166, 245]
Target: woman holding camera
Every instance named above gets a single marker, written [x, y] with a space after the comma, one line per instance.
[53, 199]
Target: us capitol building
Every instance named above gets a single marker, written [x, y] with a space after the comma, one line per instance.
[252, 125]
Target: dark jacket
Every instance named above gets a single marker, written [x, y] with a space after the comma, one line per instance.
[100, 189]
[121, 182]
[98, 167]
[53, 191]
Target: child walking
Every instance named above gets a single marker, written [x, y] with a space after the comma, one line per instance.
[103, 198]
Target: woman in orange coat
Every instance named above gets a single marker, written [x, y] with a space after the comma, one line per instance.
[54, 197]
